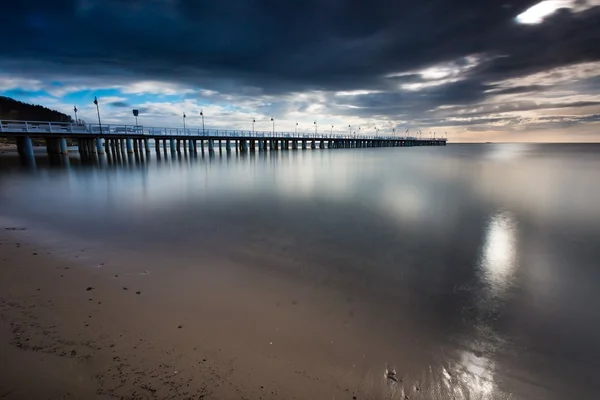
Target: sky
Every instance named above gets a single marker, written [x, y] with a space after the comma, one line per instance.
[474, 71]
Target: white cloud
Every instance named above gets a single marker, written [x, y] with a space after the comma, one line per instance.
[537, 13]
[553, 77]
[155, 87]
[11, 83]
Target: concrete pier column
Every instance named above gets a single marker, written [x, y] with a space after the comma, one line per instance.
[321, 144]
[135, 145]
[99, 146]
[63, 146]
[303, 144]
[147, 145]
[178, 145]
[211, 145]
[228, 145]
[157, 145]
[25, 150]
[129, 144]
[172, 145]
[313, 144]
[93, 145]
[276, 144]
[49, 144]
[192, 145]
[294, 144]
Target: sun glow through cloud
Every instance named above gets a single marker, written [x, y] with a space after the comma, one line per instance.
[537, 13]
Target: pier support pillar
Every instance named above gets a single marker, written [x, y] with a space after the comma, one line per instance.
[129, 144]
[294, 144]
[211, 145]
[25, 149]
[99, 146]
[227, 145]
[147, 145]
[303, 144]
[172, 145]
[157, 145]
[63, 146]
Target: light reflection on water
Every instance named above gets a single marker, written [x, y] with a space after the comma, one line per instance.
[476, 265]
[498, 259]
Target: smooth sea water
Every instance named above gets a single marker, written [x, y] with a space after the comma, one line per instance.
[482, 260]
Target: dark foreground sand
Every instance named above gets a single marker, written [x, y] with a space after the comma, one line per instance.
[73, 326]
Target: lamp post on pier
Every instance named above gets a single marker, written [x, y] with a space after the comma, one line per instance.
[135, 114]
[98, 111]
[273, 121]
[184, 123]
[253, 122]
[349, 130]
[315, 128]
[296, 129]
[202, 115]
[75, 109]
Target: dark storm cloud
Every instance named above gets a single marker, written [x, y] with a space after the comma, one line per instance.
[274, 47]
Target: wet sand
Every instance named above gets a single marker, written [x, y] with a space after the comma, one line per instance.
[81, 328]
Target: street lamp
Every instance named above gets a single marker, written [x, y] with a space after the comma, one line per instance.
[331, 133]
[135, 114]
[98, 110]
[393, 131]
[75, 109]
[202, 115]
[349, 130]
[273, 121]
[315, 127]
[184, 123]
[253, 122]
[296, 129]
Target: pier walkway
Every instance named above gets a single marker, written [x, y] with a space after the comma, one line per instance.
[92, 139]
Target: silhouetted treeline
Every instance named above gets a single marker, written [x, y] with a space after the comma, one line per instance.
[12, 109]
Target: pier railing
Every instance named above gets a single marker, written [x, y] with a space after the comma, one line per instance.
[66, 128]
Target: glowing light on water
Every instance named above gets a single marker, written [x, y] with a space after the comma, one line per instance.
[499, 252]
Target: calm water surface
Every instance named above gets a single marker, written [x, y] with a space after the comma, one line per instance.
[482, 259]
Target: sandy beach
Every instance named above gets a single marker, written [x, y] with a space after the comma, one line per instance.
[83, 328]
